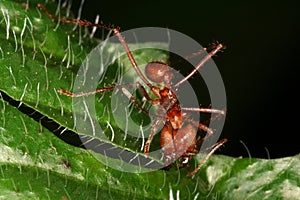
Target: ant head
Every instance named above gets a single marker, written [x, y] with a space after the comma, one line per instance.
[159, 72]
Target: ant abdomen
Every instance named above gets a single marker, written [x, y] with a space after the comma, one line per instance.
[159, 72]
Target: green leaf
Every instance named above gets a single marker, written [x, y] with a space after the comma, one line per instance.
[36, 164]
[38, 56]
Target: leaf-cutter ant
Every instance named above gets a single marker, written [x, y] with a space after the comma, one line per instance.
[178, 137]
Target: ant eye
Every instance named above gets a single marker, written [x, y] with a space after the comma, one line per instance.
[158, 72]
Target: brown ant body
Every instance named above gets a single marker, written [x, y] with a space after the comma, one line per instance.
[178, 137]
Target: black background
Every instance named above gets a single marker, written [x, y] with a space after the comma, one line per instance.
[259, 66]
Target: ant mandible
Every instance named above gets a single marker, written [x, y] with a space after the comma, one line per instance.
[178, 138]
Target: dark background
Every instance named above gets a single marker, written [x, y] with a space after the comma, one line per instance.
[258, 67]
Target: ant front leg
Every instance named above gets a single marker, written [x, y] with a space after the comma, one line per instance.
[156, 123]
[150, 138]
[133, 100]
[100, 90]
[144, 93]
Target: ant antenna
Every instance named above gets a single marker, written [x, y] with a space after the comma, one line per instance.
[218, 48]
[106, 27]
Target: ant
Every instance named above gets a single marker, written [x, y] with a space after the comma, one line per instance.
[178, 138]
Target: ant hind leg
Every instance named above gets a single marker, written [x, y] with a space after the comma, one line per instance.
[215, 147]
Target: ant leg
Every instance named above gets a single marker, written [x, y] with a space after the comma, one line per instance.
[157, 122]
[107, 89]
[150, 138]
[154, 102]
[215, 147]
[136, 103]
[204, 110]
[100, 90]
[200, 125]
[209, 131]
[205, 128]
[80, 94]
[207, 110]
[146, 95]
[213, 118]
